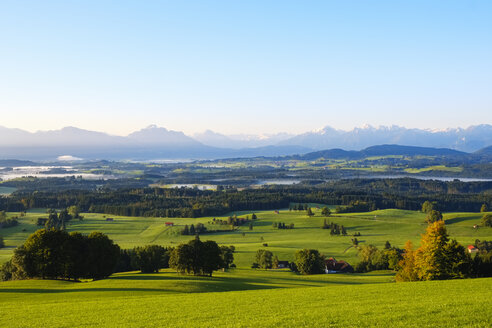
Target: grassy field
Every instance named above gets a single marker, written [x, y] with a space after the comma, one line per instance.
[396, 226]
[246, 298]
[252, 298]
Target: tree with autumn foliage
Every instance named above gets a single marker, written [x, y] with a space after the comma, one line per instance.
[430, 258]
[436, 259]
[408, 271]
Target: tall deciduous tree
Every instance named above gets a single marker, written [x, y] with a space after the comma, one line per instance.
[309, 261]
[264, 258]
[196, 257]
[433, 216]
[431, 258]
[428, 206]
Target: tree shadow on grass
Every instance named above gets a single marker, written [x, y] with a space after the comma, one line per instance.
[200, 284]
[458, 219]
[74, 290]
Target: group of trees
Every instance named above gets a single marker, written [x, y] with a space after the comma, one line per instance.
[56, 254]
[152, 258]
[59, 220]
[200, 258]
[234, 221]
[299, 207]
[307, 261]
[335, 228]
[194, 230]
[282, 225]
[372, 258]
[147, 259]
[440, 258]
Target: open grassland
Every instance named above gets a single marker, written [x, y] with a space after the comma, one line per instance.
[396, 226]
[246, 298]
[454, 169]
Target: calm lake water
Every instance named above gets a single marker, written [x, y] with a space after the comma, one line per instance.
[278, 182]
[46, 172]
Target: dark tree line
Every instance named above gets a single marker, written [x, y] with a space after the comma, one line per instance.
[352, 195]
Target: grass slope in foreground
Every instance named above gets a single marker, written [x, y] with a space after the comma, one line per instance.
[169, 300]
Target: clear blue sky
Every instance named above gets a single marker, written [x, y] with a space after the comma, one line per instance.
[244, 66]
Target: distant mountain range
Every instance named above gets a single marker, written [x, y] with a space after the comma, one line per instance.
[469, 139]
[159, 143]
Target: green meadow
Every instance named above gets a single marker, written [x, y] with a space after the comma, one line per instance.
[396, 226]
[244, 297]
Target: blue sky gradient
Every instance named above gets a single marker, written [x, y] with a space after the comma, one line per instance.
[244, 66]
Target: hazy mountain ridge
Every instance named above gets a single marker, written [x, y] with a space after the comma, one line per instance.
[155, 142]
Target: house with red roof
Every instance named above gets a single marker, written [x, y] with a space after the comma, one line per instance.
[334, 266]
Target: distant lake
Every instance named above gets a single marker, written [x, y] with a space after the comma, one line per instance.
[278, 182]
[187, 185]
[46, 172]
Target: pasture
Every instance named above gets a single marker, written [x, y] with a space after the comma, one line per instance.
[396, 226]
[246, 298]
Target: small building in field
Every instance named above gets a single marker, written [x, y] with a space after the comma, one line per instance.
[283, 264]
[472, 249]
[109, 219]
[169, 224]
[334, 266]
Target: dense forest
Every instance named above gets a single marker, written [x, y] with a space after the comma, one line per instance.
[351, 194]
